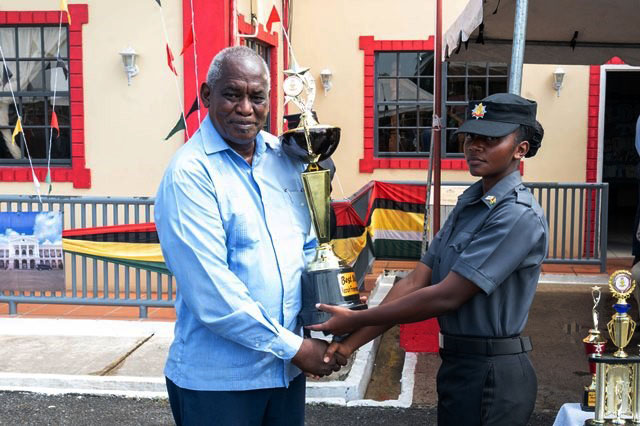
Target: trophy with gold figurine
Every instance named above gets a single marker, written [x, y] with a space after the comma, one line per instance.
[617, 387]
[595, 344]
[328, 279]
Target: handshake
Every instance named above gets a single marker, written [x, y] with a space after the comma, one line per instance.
[318, 358]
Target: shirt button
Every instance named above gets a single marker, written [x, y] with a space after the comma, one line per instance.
[257, 345]
[280, 353]
[302, 204]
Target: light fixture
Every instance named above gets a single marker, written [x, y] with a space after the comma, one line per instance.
[326, 75]
[129, 61]
[558, 78]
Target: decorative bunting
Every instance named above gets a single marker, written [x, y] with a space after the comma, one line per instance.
[54, 123]
[65, 8]
[18, 129]
[195, 107]
[48, 180]
[170, 60]
[179, 126]
[273, 18]
[188, 42]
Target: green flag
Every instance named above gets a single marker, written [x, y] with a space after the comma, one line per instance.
[179, 126]
[48, 180]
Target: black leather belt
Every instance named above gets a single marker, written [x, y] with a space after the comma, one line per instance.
[487, 346]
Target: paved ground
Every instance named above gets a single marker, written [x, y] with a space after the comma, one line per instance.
[29, 409]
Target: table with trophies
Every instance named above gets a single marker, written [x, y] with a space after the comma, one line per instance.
[613, 397]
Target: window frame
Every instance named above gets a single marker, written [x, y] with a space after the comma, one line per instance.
[76, 172]
[42, 93]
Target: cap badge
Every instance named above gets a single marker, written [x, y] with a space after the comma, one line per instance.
[491, 199]
[479, 111]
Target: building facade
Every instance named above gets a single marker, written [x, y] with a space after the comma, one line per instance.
[380, 57]
[25, 252]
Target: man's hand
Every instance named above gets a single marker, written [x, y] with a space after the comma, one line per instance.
[339, 350]
[310, 358]
[342, 321]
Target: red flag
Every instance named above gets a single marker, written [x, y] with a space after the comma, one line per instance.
[170, 60]
[273, 18]
[54, 122]
[188, 41]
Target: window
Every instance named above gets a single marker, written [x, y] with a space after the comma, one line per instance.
[404, 103]
[467, 82]
[33, 71]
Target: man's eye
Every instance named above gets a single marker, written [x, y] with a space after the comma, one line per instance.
[259, 99]
[231, 95]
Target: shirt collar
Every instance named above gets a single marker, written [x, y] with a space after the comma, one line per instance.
[495, 194]
[213, 142]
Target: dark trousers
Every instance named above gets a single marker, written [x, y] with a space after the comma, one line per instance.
[260, 407]
[485, 390]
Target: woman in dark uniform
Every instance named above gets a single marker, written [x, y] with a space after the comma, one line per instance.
[478, 277]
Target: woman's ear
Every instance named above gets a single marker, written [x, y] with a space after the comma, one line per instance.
[521, 150]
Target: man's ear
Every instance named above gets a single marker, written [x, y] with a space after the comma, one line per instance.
[521, 150]
[205, 92]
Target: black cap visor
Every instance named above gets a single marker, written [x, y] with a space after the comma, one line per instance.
[494, 129]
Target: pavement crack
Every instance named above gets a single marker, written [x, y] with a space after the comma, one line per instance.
[115, 365]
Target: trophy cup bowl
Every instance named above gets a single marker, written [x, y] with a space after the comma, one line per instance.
[324, 140]
[327, 279]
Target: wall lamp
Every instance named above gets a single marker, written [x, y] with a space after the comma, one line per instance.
[129, 61]
[558, 78]
[326, 76]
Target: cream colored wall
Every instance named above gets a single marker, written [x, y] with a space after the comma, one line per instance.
[327, 35]
[125, 126]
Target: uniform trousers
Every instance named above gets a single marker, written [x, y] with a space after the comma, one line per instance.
[485, 390]
[259, 407]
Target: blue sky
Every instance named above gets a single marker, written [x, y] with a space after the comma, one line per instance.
[47, 226]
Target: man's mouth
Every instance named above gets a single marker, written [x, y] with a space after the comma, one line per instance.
[242, 124]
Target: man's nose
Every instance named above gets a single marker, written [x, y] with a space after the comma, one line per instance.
[244, 106]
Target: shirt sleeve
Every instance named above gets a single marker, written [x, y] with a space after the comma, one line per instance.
[193, 243]
[513, 237]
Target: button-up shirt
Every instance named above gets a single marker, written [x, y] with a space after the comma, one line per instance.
[497, 240]
[236, 237]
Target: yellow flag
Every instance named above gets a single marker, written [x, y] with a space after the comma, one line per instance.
[65, 8]
[17, 130]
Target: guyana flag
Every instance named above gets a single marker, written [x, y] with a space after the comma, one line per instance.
[135, 245]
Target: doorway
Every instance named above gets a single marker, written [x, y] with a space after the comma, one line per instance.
[619, 157]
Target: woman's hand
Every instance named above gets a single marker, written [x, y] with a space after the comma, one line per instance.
[339, 350]
[342, 321]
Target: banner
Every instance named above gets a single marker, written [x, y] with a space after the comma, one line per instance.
[31, 254]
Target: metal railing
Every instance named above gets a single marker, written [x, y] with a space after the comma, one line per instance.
[93, 281]
[576, 213]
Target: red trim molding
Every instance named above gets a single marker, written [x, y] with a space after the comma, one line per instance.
[212, 25]
[369, 162]
[271, 40]
[78, 173]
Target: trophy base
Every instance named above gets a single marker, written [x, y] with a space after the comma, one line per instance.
[335, 286]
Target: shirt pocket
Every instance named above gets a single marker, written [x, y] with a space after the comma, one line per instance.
[243, 227]
[298, 212]
[460, 241]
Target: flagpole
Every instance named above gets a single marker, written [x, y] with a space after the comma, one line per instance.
[437, 124]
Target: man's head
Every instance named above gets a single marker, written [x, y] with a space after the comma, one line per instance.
[237, 94]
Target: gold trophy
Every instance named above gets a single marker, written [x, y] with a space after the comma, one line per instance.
[327, 279]
[595, 344]
[618, 375]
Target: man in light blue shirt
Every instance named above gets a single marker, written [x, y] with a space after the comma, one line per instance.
[235, 231]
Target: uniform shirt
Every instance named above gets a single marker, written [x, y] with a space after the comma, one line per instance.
[498, 241]
[235, 237]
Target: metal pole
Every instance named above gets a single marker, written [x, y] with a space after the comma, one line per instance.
[517, 52]
[437, 112]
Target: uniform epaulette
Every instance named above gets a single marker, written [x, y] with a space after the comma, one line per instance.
[524, 196]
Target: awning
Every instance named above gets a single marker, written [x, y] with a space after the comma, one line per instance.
[572, 32]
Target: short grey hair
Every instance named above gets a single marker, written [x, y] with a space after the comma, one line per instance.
[235, 52]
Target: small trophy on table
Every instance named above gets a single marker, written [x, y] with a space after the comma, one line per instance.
[328, 279]
[617, 388]
[595, 344]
